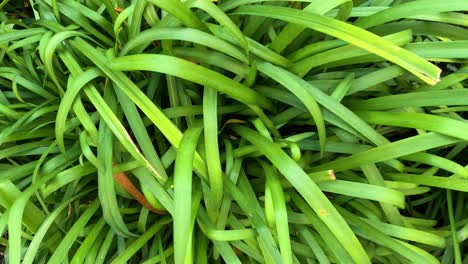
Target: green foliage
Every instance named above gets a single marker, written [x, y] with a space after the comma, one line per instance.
[233, 131]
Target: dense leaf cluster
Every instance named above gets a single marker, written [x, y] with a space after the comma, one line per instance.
[233, 131]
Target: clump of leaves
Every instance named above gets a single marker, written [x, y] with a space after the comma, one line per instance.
[166, 131]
